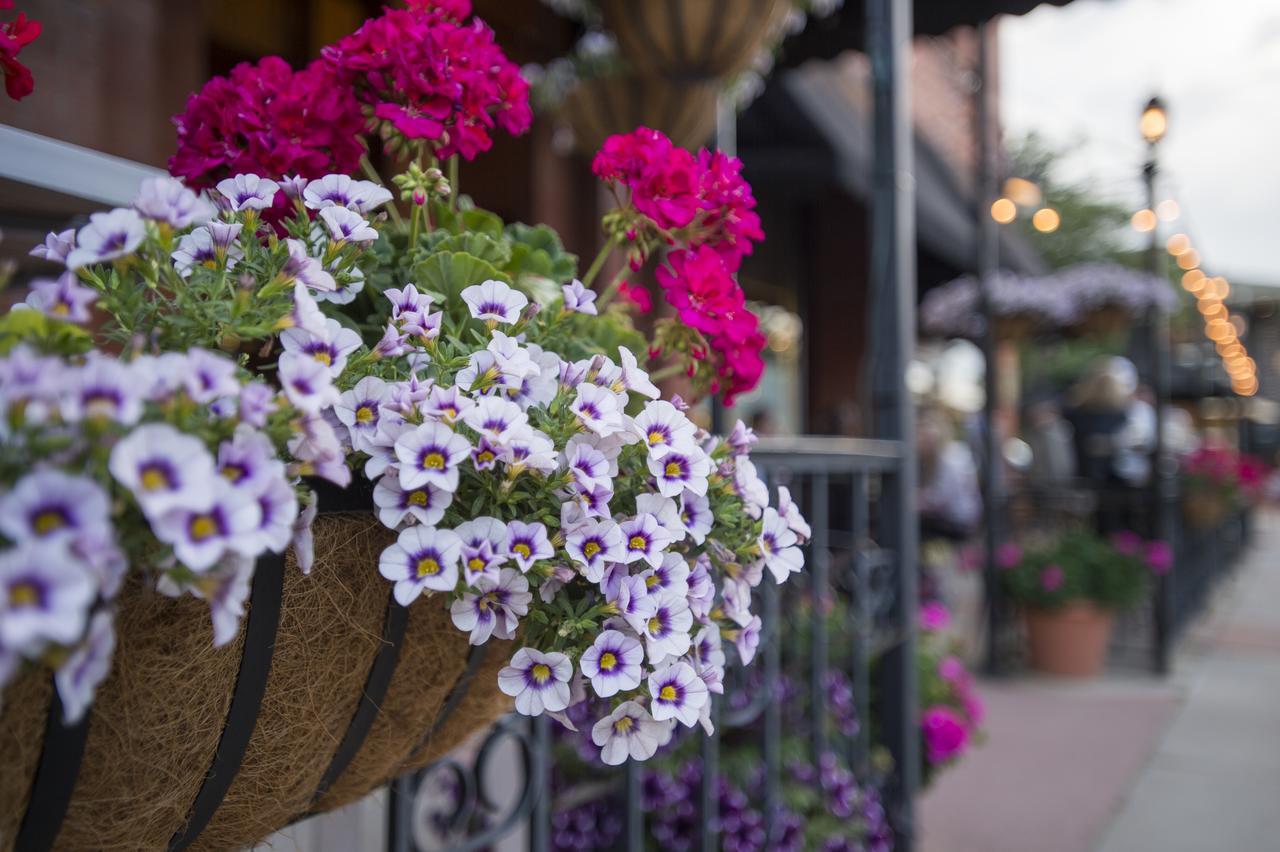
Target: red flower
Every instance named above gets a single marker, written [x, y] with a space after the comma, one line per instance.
[14, 36]
[269, 120]
[701, 289]
[667, 192]
[434, 78]
[637, 295]
[731, 223]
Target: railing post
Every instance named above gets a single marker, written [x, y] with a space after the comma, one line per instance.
[818, 554]
[893, 289]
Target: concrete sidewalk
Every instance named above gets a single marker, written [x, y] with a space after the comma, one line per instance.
[1132, 763]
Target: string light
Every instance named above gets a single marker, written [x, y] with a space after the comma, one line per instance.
[1046, 220]
[1004, 211]
[1143, 221]
[1178, 244]
[1168, 210]
[1189, 259]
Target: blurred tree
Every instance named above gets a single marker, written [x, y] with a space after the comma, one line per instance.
[1091, 229]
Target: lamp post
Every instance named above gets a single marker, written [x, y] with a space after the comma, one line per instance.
[1153, 124]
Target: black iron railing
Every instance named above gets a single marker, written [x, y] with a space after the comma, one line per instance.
[846, 613]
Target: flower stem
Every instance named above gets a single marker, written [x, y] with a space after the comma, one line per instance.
[371, 173]
[611, 290]
[453, 182]
[594, 269]
[666, 372]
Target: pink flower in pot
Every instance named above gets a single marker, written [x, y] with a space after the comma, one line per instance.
[1052, 578]
[945, 734]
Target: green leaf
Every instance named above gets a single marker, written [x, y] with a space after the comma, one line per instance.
[450, 272]
[536, 252]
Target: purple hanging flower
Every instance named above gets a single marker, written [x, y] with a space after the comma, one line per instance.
[612, 663]
[537, 681]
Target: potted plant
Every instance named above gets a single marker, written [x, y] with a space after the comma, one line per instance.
[428, 461]
[1217, 480]
[1070, 589]
[951, 711]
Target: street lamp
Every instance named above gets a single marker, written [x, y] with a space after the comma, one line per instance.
[1153, 124]
[1154, 121]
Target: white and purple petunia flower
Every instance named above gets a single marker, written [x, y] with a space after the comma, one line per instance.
[680, 471]
[248, 192]
[494, 301]
[594, 544]
[85, 668]
[671, 576]
[528, 543]
[612, 663]
[330, 348]
[248, 461]
[62, 298]
[597, 408]
[56, 246]
[748, 640]
[307, 383]
[108, 236]
[301, 266]
[337, 190]
[209, 376]
[588, 466]
[56, 506]
[537, 681]
[164, 468]
[495, 418]
[421, 558]
[633, 377]
[407, 300]
[696, 515]
[644, 539]
[778, 546]
[164, 199]
[45, 595]
[347, 225]
[493, 608]
[278, 512]
[666, 633]
[677, 693]
[360, 410]
[702, 588]
[398, 505]
[203, 531]
[579, 299]
[446, 403]
[790, 513]
[665, 510]
[484, 548]
[629, 732]
[431, 453]
[209, 247]
[531, 449]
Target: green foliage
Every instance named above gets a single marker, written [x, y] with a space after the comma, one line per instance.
[46, 334]
[1079, 566]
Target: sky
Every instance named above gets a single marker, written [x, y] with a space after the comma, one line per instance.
[1079, 75]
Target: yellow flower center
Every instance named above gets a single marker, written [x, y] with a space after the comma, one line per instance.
[475, 563]
[667, 693]
[24, 594]
[523, 550]
[234, 472]
[654, 625]
[427, 567]
[651, 580]
[417, 498]
[656, 437]
[50, 520]
[623, 725]
[672, 470]
[541, 673]
[637, 542]
[485, 456]
[433, 461]
[203, 526]
[154, 479]
[364, 414]
[590, 549]
[62, 309]
[608, 661]
[323, 357]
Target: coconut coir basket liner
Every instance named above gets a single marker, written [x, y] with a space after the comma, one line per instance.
[354, 691]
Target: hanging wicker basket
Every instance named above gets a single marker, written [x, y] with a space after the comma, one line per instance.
[597, 109]
[1204, 511]
[331, 690]
[1106, 321]
[1014, 327]
[692, 39]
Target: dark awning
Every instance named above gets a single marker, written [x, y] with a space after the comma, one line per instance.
[825, 38]
[810, 130]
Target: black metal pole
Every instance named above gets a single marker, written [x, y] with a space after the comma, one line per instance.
[1163, 485]
[988, 262]
[892, 284]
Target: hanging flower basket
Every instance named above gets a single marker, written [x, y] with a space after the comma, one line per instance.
[1106, 321]
[1015, 327]
[597, 109]
[1204, 511]
[692, 39]
[330, 690]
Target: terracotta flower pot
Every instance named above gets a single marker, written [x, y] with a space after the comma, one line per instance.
[330, 691]
[1071, 640]
[692, 39]
[597, 109]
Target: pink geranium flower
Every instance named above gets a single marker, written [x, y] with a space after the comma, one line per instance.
[945, 734]
[1052, 577]
[934, 617]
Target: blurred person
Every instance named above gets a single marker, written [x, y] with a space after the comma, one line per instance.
[950, 508]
